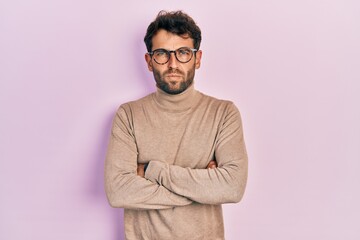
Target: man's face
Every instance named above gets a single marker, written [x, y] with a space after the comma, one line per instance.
[173, 77]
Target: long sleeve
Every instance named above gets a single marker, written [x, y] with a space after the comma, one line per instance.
[210, 186]
[123, 187]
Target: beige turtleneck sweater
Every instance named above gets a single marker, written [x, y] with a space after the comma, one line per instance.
[178, 135]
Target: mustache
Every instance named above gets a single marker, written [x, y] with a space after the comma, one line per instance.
[172, 71]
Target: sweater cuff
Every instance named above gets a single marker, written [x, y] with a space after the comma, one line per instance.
[153, 171]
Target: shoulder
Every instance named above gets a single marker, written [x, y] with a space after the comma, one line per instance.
[214, 102]
[126, 111]
[136, 104]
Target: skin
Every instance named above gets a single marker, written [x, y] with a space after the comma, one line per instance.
[173, 77]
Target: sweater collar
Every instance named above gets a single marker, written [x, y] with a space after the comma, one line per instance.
[177, 102]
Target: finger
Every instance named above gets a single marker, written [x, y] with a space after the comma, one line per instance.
[211, 165]
[140, 170]
[213, 162]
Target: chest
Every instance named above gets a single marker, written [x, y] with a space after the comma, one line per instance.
[186, 139]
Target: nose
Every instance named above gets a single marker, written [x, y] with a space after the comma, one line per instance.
[173, 63]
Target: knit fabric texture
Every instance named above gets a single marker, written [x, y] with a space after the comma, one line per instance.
[177, 135]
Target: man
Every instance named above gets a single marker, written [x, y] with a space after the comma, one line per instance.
[175, 155]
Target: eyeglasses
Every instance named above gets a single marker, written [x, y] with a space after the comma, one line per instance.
[162, 56]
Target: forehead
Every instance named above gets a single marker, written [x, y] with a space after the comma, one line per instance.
[170, 41]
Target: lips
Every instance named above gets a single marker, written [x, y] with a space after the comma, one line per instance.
[174, 73]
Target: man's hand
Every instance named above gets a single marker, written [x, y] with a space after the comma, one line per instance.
[141, 169]
[212, 164]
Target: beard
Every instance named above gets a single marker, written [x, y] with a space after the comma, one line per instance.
[174, 87]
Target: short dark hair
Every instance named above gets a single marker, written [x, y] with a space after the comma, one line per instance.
[176, 22]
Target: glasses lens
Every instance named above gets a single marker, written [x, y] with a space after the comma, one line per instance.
[161, 56]
[184, 54]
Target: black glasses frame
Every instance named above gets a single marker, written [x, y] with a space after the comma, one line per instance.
[168, 52]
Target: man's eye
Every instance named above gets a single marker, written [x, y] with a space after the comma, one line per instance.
[160, 53]
[184, 51]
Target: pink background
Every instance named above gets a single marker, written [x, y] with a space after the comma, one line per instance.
[292, 68]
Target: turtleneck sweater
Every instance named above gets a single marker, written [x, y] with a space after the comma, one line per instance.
[177, 136]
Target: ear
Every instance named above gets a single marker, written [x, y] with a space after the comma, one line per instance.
[198, 55]
[149, 62]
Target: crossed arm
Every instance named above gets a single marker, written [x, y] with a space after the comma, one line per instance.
[166, 186]
[141, 168]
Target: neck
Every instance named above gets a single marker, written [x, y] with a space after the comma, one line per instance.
[177, 102]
